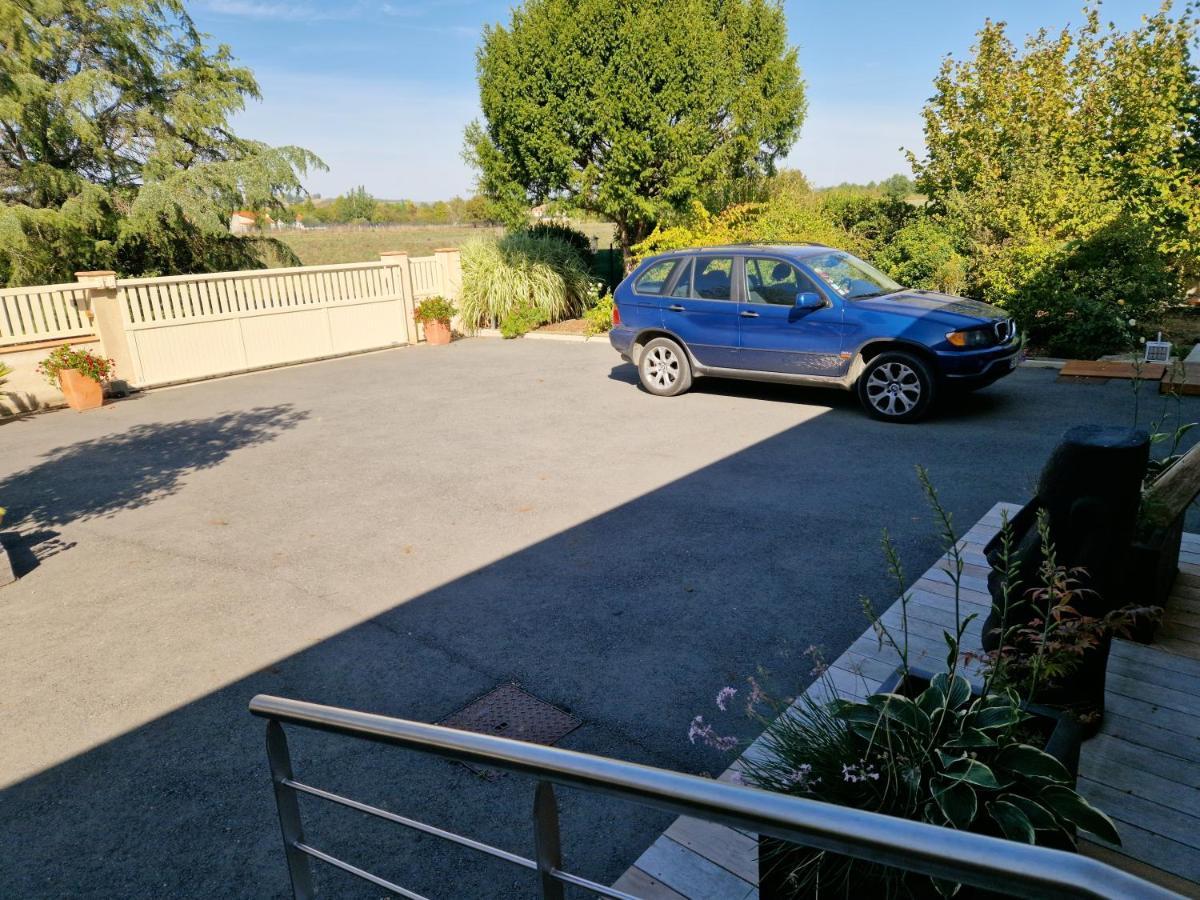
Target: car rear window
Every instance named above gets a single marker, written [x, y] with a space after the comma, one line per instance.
[655, 278]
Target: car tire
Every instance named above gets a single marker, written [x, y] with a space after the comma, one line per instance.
[896, 387]
[664, 369]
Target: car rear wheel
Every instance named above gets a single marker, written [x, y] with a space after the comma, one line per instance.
[896, 387]
[663, 368]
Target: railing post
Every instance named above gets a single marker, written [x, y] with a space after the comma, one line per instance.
[546, 840]
[289, 812]
[402, 275]
[105, 312]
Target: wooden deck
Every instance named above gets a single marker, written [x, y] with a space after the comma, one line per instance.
[1143, 768]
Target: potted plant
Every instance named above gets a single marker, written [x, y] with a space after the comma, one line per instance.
[931, 748]
[435, 314]
[79, 374]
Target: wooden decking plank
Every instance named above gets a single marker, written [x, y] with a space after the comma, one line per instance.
[1144, 734]
[1117, 750]
[639, 884]
[1138, 845]
[731, 850]
[690, 874]
[1164, 697]
[1103, 368]
[1181, 724]
[1152, 656]
[1145, 814]
[1153, 676]
[1186, 649]
[1138, 781]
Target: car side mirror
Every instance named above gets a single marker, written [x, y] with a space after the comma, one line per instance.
[809, 300]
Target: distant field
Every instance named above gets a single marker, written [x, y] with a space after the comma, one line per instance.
[326, 246]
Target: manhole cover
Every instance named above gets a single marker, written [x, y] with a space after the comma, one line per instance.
[513, 713]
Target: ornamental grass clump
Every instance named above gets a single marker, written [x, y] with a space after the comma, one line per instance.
[937, 752]
[521, 272]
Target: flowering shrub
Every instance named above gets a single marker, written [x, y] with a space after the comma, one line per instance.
[597, 316]
[935, 752]
[97, 368]
[434, 309]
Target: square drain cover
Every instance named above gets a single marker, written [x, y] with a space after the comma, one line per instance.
[513, 713]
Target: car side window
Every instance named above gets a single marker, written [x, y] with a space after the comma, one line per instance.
[683, 287]
[713, 278]
[655, 278]
[774, 281]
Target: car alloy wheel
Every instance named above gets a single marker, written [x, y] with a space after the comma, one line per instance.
[894, 389]
[662, 367]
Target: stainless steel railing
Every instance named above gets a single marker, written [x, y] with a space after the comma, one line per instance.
[1000, 865]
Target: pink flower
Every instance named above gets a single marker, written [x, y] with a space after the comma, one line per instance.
[701, 729]
[724, 696]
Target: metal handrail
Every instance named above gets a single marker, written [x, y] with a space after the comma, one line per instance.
[986, 862]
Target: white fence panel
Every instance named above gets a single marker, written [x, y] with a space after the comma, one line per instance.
[194, 326]
[43, 313]
[426, 276]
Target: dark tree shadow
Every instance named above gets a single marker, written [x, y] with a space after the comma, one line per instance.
[140, 465]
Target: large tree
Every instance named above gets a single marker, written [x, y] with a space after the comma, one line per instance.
[1068, 171]
[632, 110]
[115, 144]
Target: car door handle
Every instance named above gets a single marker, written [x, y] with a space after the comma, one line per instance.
[675, 307]
[748, 314]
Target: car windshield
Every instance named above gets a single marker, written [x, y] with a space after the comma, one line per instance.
[852, 278]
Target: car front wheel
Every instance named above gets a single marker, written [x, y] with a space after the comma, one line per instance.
[896, 387]
[663, 368]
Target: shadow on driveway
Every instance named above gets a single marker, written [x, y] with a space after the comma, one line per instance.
[128, 470]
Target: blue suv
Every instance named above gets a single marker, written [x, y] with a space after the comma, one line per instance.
[808, 315]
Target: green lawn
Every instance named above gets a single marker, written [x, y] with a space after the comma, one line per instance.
[325, 246]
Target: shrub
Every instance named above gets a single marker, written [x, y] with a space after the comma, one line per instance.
[598, 317]
[434, 309]
[5, 371]
[568, 235]
[520, 321]
[787, 218]
[89, 364]
[1084, 298]
[520, 272]
[922, 255]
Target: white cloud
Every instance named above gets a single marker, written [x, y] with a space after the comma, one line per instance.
[282, 10]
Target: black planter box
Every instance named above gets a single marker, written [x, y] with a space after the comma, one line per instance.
[1063, 737]
[1153, 567]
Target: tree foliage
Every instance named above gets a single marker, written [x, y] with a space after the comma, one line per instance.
[115, 145]
[1068, 172]
[632, 110]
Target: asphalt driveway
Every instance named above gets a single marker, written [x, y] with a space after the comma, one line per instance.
[400, 533]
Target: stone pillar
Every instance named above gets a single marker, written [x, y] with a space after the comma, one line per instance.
[402, 279]
[105, 313]
[450, 280]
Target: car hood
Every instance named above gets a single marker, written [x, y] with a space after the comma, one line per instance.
[921, 304]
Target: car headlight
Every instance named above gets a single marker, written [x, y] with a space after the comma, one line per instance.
[971, 338]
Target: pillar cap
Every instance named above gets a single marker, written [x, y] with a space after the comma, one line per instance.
[446, 250]
[393, 253]
[98, 273]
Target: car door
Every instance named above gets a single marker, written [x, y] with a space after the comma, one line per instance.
[776, 336]
[702, 312]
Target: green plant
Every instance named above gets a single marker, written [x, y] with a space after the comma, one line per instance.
[632, 110]
[597, 317]
[568, 235]
[944, 755]
[521, 321]
[520, 272]
[434, 309]
[85, 362]
[5, 371]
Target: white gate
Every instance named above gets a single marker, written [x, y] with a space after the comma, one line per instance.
[196, 326]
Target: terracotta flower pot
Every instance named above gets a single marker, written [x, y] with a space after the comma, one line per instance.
[437, 332]
[81, 392]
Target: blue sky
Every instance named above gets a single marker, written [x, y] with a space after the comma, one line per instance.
[382, 90]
